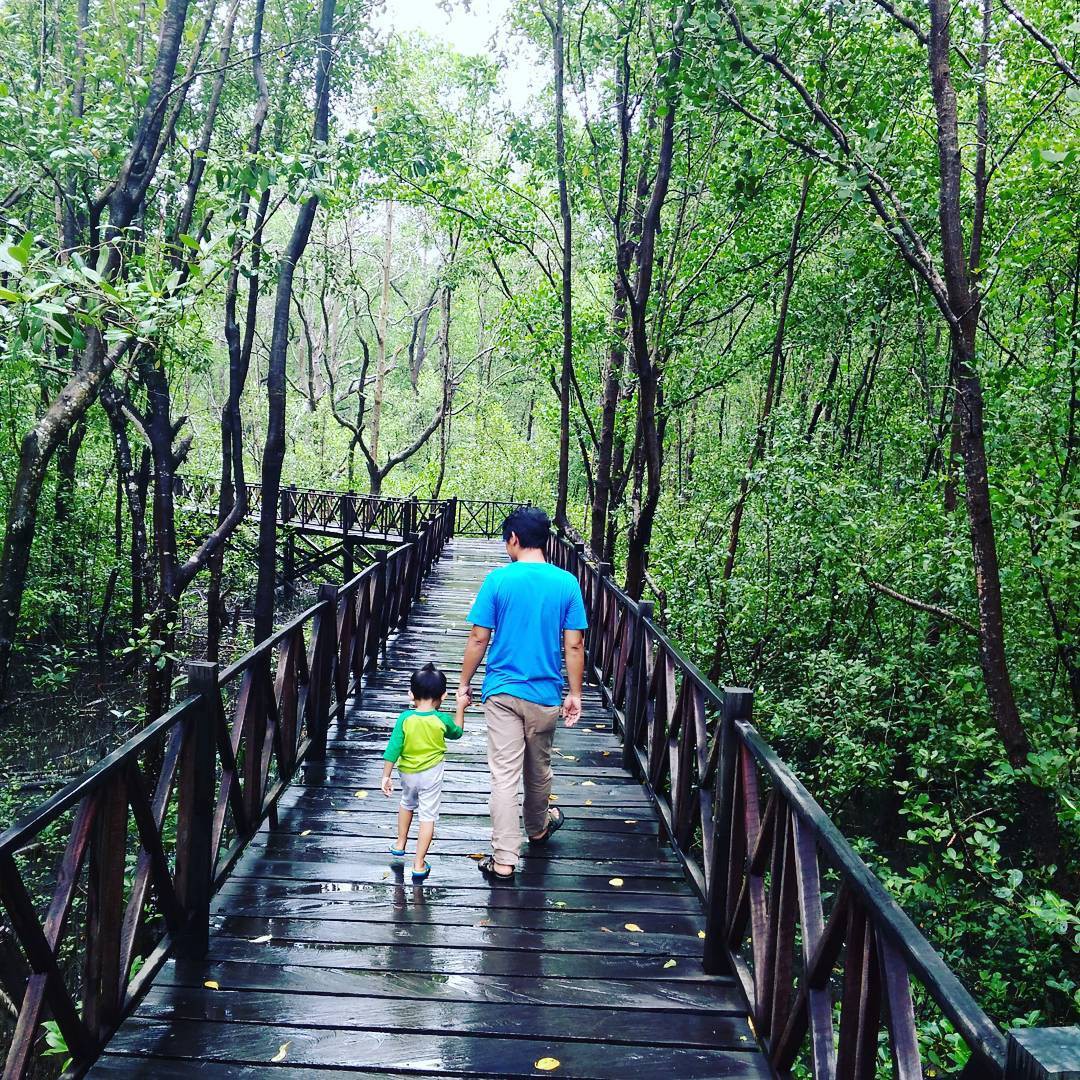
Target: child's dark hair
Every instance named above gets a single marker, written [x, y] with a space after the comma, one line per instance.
[531, 524]
[428, 683]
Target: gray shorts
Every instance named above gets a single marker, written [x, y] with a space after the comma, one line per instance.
[423, 790]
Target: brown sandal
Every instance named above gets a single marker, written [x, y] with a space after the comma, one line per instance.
[486, 866]
[556, 820]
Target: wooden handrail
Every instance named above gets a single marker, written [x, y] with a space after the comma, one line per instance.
[765, 874]
[345, 511]
[194, 786]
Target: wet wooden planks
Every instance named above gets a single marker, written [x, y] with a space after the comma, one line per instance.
[325, 960]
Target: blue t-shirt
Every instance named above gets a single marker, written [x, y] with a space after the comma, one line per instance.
[528, 605]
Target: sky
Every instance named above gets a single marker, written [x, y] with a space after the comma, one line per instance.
[471, 27]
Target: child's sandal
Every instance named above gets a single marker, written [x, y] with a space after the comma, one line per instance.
[395, 854]
[421, 875]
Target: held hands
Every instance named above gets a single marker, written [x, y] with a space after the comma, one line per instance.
[464, 693]
[571, 709]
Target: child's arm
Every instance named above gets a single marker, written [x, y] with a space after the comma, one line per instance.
[393, 751]
[455, 725]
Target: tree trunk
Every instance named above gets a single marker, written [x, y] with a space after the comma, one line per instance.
[81, 390]
[964, 304]
[609, 411]
[562, 492]
[650, 439]
[274, 448]
[382, 330]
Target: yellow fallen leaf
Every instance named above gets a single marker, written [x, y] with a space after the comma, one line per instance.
[599, 727]
[569, 757]
[211, 984]
[701, 934]
[633, 928]
[670, 964]
[587, 783]
[616, 881]
[306, 832]
[553, 798]
[560, 903]
[606, 753]
[588, 802]
[547, 1064]
[476, 857]
[260, 940]
[361, 794]
[282, 1050]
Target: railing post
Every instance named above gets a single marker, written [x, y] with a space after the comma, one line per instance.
[634, 707]
[581, 573]
[322, 673]
[348, 519]
[376, 613]
[1043, 1053]
[288, 503]
[288, 566]
[598, 626]
[103, 981]
[408, 584]
[409, 512]
[737, 705]
[195, 812]
[451, 530]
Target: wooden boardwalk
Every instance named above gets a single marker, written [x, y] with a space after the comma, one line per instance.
[324, 960]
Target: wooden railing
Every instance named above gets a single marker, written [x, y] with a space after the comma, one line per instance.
[802, 921]
[342, 512]
[154, 828]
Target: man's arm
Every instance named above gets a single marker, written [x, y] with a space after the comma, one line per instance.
[574, 648]
[475, 648]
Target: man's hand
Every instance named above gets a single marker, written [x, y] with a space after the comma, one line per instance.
[571, 708]
[464, 693]
[388, 786]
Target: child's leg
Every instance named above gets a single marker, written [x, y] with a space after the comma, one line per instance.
[404, 823]
[423, 842]
[429, 797]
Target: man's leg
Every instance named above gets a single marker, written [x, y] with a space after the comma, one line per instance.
[540, 721]
[506, 753]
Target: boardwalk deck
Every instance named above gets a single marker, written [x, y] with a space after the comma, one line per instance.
[324, 960]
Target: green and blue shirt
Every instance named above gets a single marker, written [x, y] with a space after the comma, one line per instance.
[418, 741]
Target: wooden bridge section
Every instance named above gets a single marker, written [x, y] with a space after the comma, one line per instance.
[322, 955]
[222, 903]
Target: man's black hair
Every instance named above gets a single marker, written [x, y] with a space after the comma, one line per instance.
[531, 524]
[427, 683]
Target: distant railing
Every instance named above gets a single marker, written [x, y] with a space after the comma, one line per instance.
[345, 512]
[787, 900]
[155, 827]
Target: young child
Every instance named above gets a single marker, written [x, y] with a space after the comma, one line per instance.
[417, 746]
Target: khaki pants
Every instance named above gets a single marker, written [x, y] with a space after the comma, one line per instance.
[520, 734]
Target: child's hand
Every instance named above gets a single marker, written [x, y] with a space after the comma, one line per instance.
[388, 786]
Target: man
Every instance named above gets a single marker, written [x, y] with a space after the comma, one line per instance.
[536, 613]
